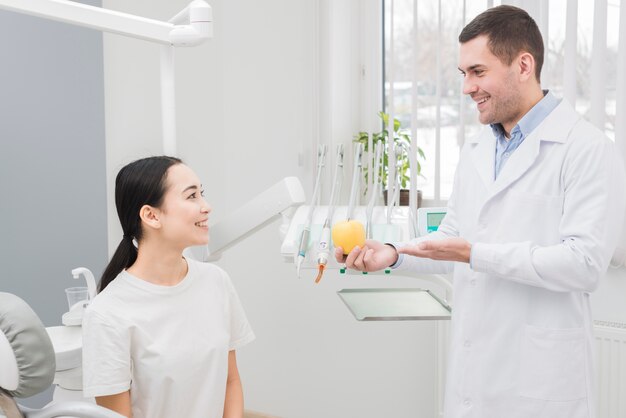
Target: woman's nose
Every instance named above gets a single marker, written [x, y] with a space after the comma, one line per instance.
[206, 208]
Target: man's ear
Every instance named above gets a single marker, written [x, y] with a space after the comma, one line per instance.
[150, 216]
[526, 66]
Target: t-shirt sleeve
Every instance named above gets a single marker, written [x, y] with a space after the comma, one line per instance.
[240, 330]
[106, 356]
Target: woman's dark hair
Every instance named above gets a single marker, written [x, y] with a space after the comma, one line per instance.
[139, 183]
[510, 30]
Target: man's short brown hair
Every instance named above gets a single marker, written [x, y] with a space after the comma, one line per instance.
[510, 30]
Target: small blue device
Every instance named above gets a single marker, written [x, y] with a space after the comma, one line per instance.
[429, 219]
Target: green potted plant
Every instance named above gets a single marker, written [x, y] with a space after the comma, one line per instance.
[402, 138]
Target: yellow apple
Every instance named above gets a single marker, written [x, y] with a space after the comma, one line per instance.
[348, 234]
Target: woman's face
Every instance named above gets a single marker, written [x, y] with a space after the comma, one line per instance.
[184, 213]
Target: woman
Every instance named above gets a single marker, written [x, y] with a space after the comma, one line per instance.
[159, 339]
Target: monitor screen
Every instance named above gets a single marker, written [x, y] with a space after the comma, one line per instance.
[433, 219]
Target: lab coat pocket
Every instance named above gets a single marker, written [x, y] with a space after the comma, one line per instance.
[553, 364]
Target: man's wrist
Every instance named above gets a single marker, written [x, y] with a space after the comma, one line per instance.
[397, 256]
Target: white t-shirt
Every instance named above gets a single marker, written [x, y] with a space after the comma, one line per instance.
[168, 344]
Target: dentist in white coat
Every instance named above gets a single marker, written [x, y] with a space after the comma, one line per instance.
[532, 223]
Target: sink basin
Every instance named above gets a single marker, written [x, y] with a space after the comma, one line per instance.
[68, 344]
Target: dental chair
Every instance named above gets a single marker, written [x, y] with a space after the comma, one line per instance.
[27, 366]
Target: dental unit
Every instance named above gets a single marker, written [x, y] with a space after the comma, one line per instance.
[389, 223]
[32, 358]
[74, 316]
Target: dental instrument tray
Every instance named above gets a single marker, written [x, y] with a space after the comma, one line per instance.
[394, 304]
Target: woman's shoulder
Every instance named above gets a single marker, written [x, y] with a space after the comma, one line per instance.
[209, 273]
[112, 299]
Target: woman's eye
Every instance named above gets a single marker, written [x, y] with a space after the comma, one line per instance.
[194, 195]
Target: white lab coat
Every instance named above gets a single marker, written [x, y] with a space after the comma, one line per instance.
[543, 234]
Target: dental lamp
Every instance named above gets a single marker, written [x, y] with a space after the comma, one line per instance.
[190, 27]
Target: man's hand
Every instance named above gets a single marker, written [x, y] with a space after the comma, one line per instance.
[449, 249]
[373, 256]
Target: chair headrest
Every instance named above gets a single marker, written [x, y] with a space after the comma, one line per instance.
[32, 348]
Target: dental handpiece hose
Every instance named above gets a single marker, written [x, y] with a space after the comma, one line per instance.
[358, 153]
[393, 181]
[323, 247]
[306, 231]
[374, 191]
[323, 251]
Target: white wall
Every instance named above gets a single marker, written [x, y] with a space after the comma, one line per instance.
[251, 105]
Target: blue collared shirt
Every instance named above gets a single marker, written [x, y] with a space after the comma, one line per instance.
[506, 146]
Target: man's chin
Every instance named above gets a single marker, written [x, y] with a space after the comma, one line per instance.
[485, 119]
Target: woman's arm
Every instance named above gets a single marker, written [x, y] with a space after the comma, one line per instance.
[233, 405]
[119, 403]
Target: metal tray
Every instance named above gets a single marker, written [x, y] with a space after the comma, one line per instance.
[394, 304]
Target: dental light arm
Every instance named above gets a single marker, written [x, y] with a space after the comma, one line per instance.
[190, 27]
[197, 23]
[251, 217]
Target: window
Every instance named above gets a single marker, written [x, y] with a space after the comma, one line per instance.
[427, 62]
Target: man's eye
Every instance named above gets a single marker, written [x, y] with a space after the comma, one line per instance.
[479, 72]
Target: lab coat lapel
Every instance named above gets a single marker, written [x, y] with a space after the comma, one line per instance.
[521, 160]
[483, 155]
[554, 128]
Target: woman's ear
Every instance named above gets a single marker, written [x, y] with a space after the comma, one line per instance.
[150, 216]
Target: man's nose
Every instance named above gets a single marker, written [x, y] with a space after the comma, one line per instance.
[469, 86]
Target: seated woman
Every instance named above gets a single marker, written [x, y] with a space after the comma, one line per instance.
[159, 339]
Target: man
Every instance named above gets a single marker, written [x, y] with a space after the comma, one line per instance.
[532, 223]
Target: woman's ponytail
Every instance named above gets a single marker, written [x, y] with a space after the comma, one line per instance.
[124, 257]
[139, 183]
